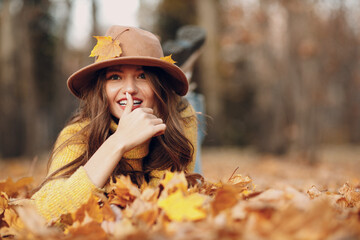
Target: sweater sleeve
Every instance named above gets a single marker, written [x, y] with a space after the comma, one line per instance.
[63, 195]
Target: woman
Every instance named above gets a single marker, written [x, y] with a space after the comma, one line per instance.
[131, 120]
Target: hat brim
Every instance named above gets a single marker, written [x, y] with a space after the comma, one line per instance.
[81, 78]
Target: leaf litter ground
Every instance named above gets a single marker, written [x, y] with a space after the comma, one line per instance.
[244, 195]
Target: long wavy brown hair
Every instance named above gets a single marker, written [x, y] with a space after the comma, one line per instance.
[172, 150]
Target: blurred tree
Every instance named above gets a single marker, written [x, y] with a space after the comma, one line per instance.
[27, 65]
[10, 121]
[173, 14]
[298, 65]
[211, 83]
[280, 75]
[35, 63]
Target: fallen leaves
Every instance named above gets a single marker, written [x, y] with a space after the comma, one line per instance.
[230, 210]
[10, 223]
[19, 188]
[351, 195]
[122, 191]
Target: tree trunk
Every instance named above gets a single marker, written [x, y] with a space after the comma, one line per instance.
[27, 84]
[210, 79]
[11, 126]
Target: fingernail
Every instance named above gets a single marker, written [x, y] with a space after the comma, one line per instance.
[127, 95]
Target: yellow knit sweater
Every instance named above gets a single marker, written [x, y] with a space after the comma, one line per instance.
[65, 195]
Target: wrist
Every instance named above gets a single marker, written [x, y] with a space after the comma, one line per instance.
[117, 145]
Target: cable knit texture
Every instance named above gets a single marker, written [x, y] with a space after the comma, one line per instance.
[65, 195]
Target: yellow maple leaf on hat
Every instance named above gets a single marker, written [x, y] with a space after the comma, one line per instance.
[106, 48]
[168, 59]
[179, 207]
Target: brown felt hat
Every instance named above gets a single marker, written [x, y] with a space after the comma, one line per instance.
[139, 47]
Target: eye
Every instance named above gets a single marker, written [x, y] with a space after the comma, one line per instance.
[142, 76]
[113, 77]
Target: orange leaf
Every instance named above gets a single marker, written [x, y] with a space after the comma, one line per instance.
[226, 197]
[106, 48]
[4, 200]
[13, 220]
[91, 230]
[14, 189]
[122, 192]
[95, 209]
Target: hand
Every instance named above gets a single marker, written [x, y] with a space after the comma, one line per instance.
[137, 126]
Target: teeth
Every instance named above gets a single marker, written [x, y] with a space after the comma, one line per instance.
[124, 102]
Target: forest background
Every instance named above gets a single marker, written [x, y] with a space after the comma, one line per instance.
[277, 76]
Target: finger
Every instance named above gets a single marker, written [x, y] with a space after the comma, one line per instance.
[150, 116]
[160, 129]
[157, 121]
[129, 103]
[146, 110]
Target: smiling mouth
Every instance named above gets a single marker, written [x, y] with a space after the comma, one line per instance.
[135, 102]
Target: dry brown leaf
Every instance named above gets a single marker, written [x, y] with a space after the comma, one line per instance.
[122, 192]
[90, 230]
[351, 194]
[95, 209]
[144, 211]
[239, 180]
[12, 220]
[4, 199]
[313, 192]
[226, 197]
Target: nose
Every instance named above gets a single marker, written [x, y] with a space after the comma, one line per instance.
[130, 86]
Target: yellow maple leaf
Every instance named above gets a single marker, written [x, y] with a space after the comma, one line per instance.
[168, 59]
[179, 207]
[173, 181]
[106, 48]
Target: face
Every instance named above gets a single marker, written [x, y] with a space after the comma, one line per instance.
[128, 78]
